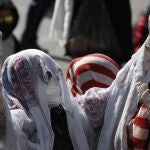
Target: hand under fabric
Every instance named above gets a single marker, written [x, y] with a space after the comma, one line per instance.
[144, 93]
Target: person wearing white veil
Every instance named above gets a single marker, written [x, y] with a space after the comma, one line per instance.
[41, 113]
[23, 78]
[123, 99]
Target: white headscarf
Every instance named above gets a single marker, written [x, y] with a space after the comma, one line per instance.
[21, 74]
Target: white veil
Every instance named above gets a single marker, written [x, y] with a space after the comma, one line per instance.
[123, 100]
[39, 110]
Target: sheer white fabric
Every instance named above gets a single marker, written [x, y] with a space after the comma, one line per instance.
[94, 103]
[38, 118]
[123, 100]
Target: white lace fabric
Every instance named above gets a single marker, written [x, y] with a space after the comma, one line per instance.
[20, 85]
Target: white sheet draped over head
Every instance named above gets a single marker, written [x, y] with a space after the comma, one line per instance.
[123, 100]
[25, 77]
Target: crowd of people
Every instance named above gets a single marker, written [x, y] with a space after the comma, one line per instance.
[84, 27]
[81, 27]
[102, 102]
[100, 32]
[98, 106]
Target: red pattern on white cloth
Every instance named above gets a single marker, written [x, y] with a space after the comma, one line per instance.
[138, 130]
[94, 70]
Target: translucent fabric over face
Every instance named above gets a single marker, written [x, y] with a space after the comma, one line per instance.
[37, 82]
[51, 92]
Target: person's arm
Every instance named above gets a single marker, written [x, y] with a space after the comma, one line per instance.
[94, 102]
[138, 127]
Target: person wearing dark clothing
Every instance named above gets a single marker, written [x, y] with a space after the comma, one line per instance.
[60, 128]
[84, 26]
[37, 11]
[8, 20]
[91, 31]
[120, 16]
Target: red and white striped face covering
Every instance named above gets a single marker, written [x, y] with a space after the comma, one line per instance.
[94, 70]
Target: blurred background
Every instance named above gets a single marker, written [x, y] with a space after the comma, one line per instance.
[137, 7]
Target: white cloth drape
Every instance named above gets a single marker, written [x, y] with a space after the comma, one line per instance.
[123, 100]
[39, 116]
[60, 24]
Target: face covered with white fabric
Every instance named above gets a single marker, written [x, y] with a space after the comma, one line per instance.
[48, 86]
[50, 90]
[37, 82]
[32, 81]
